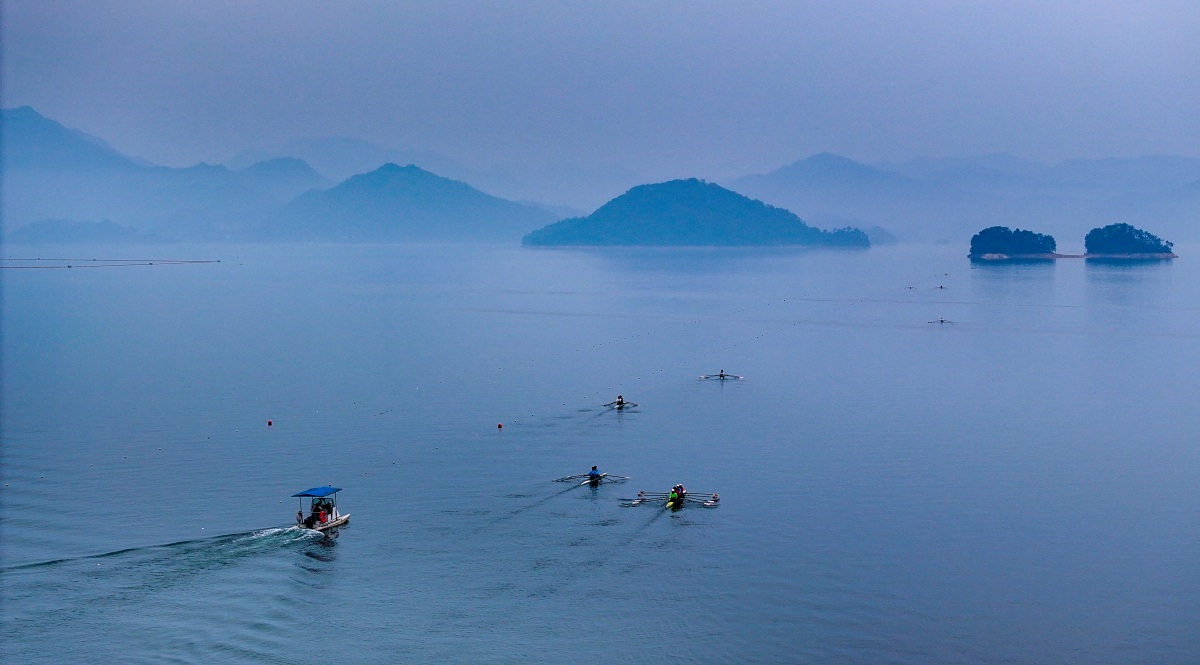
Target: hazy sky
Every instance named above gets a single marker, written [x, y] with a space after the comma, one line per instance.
[713, 89]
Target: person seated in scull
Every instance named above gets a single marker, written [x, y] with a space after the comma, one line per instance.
[620, 401]
[594, 474]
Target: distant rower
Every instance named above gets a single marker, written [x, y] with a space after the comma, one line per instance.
[593, 474]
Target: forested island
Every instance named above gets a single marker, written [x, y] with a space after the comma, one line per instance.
[690, 212]
[1115, 241]
[1122, 241]
[999, 243]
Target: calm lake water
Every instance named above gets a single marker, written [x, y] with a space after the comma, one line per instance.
[1019, 485]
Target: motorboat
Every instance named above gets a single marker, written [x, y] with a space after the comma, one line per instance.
[323, 513]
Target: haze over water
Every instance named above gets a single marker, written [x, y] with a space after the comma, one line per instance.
[1017, 485]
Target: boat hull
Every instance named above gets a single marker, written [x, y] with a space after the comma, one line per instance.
[342, 520]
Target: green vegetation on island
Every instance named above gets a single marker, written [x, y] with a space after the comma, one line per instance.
[1125, 240]
[1001, 242]
[690, 212]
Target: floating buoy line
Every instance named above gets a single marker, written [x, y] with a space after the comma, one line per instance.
[51, 264]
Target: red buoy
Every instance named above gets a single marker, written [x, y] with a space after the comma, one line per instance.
[499, 425]
[268, 423]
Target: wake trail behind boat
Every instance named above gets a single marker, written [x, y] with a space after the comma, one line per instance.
[273, 534]
[101, 592]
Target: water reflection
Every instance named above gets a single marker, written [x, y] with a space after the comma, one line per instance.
[1121, 292]
[1012, 280]
[692, 260]
[1126, 281]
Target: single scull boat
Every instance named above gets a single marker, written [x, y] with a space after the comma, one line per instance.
[589, 479]
[676, 500]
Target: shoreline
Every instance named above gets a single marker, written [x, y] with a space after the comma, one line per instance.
[1050, 256]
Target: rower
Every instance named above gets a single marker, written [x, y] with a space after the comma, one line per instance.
[594, 474]
[620, 401]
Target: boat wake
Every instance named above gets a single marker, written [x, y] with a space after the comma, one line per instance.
[61, 606]
[228, 543]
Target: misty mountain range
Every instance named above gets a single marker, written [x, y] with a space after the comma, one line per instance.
[57, 179]
[402, 204]
[949, 199]
[340, 157]
[54, 175]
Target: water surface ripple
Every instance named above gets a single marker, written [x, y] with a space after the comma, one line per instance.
[1018, 484]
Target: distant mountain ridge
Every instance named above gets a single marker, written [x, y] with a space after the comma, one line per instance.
[283, 178]
[56, 179]
[52, 231]
[1147, 173]
[562, 185]
[32, 141]
[403, 203]
[690, 213]
[948, 198]
[52, 172]
[340, 157]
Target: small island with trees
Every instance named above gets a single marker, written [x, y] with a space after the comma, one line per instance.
[1122, 241]
[1000, 243]
[690, 213]
[1112, 242]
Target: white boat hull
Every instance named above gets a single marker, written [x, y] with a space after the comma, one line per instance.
[341, 520]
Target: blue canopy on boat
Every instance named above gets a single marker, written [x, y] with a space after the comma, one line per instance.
[319, 491]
